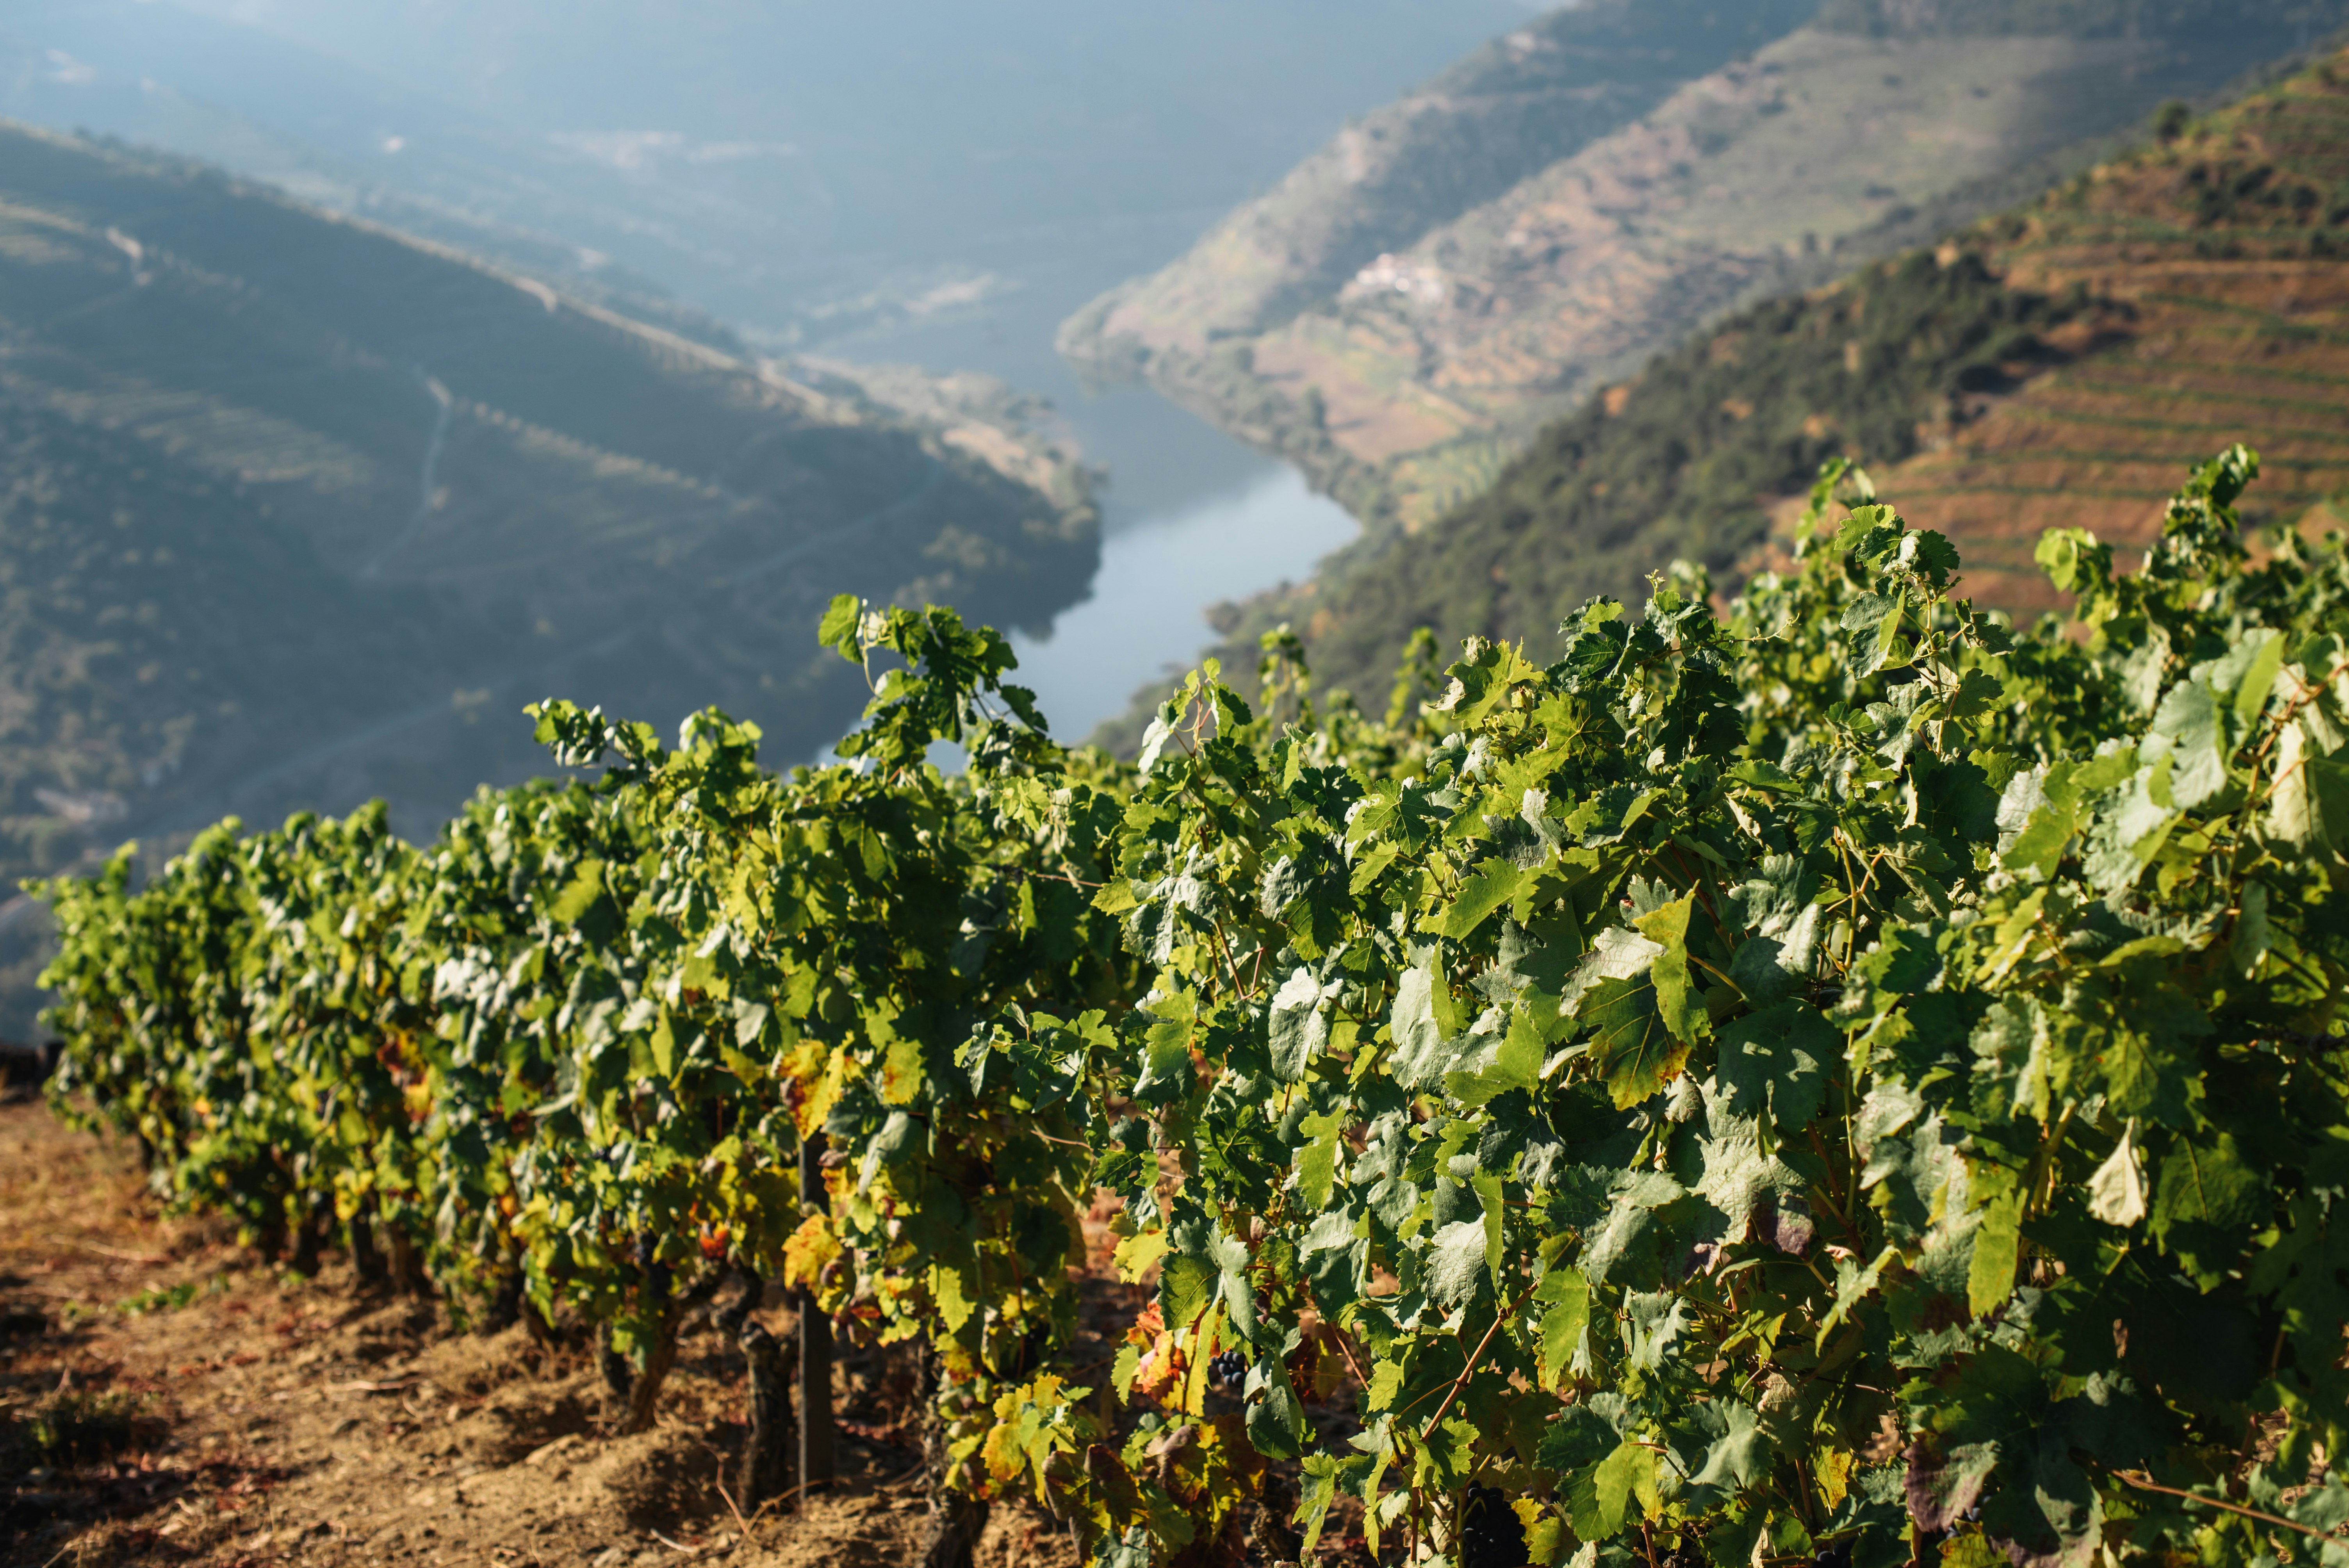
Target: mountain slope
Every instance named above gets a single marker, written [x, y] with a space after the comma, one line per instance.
[1402, 380]
[463, 488]
[2051, 366]
[336, 136]
[1510, 110]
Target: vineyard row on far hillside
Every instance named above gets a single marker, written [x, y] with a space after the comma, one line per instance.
[1839, 1079]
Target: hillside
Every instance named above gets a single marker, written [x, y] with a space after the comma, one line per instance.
[290, 501]
[336, 136]
[2039, 368]
[1410, 306]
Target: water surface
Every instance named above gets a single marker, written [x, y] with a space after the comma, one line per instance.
[1159, 572]
[1190, 516]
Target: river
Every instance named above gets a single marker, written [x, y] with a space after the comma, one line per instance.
[1190, 518]
[1159, 571]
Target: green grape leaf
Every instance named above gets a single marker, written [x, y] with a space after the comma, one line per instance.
[1775, 1063]
[1997, 1249]
[1874, 622]
[2205, 1181]
[2187, 721]
[1237, 1291]
[1630, 1044]
[1186, 1283]
[1275, 1423]
[579, 895]
[1317, 1162]
[1677, 1001]
[1323, 1475]
[1565, 1300]
[1653, 1321]
[838, 629]
[1455, 1261]
[1166, 1070]
[1979, 692]
[1622, 1488]
[1422, 1055]
[1299, 1030]
[1741, 1455]
[2249, 672]
[1490, 887]
[1746, 1183]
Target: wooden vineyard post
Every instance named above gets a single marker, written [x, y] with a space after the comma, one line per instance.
[816, 1465]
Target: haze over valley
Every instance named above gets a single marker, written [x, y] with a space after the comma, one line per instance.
[938, 189]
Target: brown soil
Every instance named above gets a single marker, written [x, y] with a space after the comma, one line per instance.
[259, 1419]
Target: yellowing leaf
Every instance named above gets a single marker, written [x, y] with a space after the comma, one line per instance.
[901, 1071]
[1138, 1254]
[955, 1305]
[1564, 1318]
[1998, 1247]
[1676, 999]
[812, 1074]
[1624, 1479]
[1001, 1452]
[1635, 1052]
[1200, 1353]
[1833, 1466]
[812, 1247]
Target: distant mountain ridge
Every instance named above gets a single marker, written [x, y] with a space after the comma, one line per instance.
[2047, 367]
[466, 489]
[1506, 113]
[1846, 132]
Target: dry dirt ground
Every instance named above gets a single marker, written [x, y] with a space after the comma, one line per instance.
[165, 1399]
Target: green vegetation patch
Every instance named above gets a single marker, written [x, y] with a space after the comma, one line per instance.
[84, 1428]
[1686, 461]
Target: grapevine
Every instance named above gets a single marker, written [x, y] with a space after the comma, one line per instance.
[1839, 1079]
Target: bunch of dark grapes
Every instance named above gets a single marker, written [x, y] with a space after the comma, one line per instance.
[1834, 1554]
[1229, 1371]
[1491, 1533]
[656, 1272]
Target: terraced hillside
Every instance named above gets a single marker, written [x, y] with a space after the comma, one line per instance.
[2041, 367]
[2222, 260]
[1659, 177]
[330, 496]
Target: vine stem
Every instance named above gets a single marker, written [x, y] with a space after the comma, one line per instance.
[1048, 876]
[1346, 1350]
[1428, 1432]
[2309, 692]
[2279, 1522]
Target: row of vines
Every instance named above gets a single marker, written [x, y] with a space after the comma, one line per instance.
[1837, 1079]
